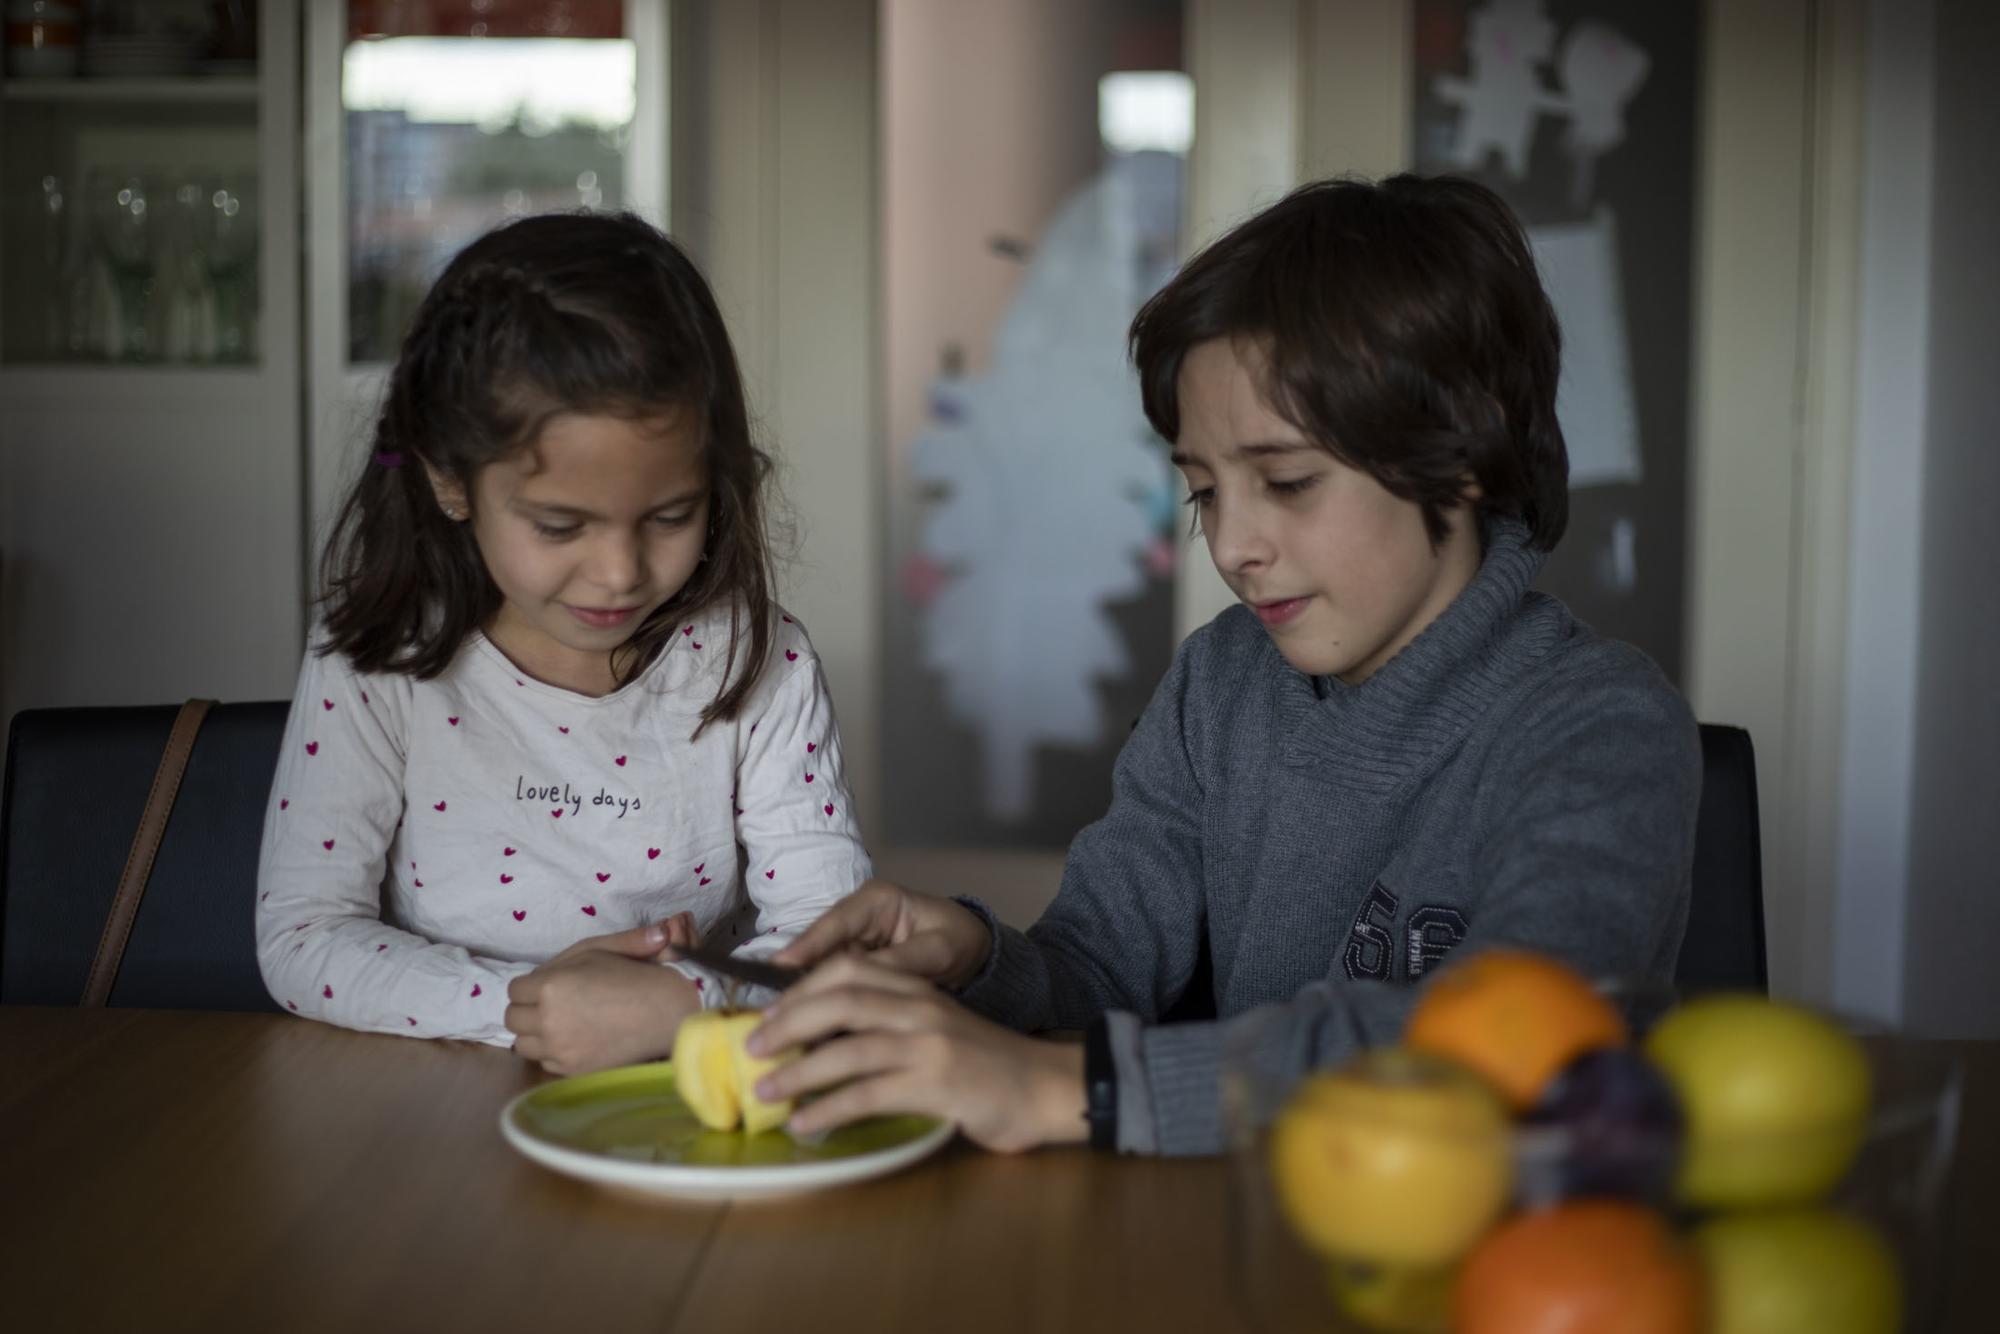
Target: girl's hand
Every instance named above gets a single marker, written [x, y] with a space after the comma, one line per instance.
[603, 1001]
[905, 1047]
[652, 941]
[899, 928]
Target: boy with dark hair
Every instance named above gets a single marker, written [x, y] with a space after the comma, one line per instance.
[1392, 749]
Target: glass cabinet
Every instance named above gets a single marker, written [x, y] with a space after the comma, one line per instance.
[150, 366]
[129, 170]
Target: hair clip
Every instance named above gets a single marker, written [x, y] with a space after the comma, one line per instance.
[388, 458]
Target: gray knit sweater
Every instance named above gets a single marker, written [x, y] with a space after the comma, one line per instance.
[1507, 778]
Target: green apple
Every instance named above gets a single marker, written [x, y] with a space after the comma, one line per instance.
[1399, 1159]
[1776, 1098]
[1393, 1300]
[1798, 1271]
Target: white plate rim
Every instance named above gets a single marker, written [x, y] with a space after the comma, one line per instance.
[681, 1181]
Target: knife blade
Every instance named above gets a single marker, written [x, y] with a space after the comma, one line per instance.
[753, 971]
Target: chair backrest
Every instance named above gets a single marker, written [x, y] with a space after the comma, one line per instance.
[76, 782]
[1724, 947]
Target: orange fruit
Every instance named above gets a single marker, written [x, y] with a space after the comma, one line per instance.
[1516, 1018]
[1585, 1267]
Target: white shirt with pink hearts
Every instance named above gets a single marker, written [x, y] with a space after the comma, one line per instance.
[427, 842]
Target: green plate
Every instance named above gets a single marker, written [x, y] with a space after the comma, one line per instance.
[628, 1128]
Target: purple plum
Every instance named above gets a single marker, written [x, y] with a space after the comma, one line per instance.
[1607, 1125]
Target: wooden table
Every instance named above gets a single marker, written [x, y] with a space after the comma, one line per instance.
[164, 1171]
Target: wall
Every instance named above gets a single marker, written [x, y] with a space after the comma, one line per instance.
[1951, 986]
[1872, 866]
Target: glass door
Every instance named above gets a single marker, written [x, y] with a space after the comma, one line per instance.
[1032, 200]
[429, 124]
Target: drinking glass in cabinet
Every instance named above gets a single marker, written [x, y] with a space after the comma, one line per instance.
[122, 228]
[230, 248]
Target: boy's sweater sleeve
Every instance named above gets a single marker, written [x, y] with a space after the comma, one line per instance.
[796, 823]
[1124, 931]
[1590, 816]
[335, 803]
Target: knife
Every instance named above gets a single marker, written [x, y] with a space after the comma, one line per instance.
[753, 971]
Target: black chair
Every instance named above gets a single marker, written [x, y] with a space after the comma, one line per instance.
[76, 782]
[1724, 947]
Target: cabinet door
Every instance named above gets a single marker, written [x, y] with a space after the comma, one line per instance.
[149, 361]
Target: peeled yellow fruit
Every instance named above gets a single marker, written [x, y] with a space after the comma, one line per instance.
[1399, 1159]
[717, 1078]
[1776, 1097]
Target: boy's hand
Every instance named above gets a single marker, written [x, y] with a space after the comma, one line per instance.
[908, 1048]
[603, 1001]
[915, 933]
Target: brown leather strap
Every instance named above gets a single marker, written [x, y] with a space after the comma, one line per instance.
[145, 846]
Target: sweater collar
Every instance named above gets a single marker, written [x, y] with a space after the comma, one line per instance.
[1394, 727]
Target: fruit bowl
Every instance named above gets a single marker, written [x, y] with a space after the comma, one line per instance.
[1636, 1195]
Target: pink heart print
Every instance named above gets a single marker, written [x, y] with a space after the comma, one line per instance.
[312, 747]
[811, 746]
[771, 875]
[327, 991]
[364, 697]
[438, 807]
[590, 910]
[380, 948]
[786, 619]
[652, 853]
[328, 703]
[506, 879]
[603, 876]
[556, 814]
[563, 730]
[695, 642]
[284, 803]
[475, 988]
[420, 884]
[327, 844]
[809, 778]
[704, 880]
[687, 629]
[791, 656]
[291, 1005]
[699, 869]
[411, 1022]
[520, 914]
[620, 761]
[452, 721]
[506, 852]
[829, 808]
